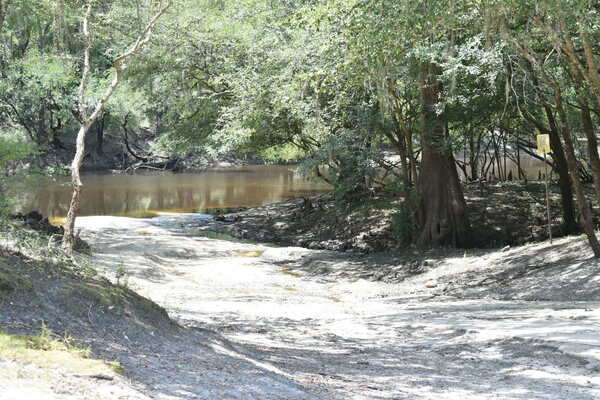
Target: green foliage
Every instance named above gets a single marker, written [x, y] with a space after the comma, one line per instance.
[284, 153]
[403, 225]
[13, 149]
[404, 222]
[332, 83]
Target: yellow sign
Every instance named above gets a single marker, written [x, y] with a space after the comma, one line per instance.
[543, 143]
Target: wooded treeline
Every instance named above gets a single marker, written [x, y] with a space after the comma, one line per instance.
[338, 84]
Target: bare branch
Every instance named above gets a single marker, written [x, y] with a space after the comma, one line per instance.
[87, 120]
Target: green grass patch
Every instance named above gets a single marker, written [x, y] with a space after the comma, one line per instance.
[47, 350]
[118, 299]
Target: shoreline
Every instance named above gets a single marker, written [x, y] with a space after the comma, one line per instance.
[254, 318]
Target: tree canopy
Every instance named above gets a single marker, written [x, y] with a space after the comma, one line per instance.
[366, 94]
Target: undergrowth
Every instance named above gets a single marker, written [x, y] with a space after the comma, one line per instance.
[43, 248]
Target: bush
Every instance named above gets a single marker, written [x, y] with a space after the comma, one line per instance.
[404, 220]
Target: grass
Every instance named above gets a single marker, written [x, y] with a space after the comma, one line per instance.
[40, 248]
[49, 351]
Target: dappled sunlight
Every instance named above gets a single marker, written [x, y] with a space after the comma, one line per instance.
[320, 317]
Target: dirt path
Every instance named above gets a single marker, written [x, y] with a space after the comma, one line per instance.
[320, 336]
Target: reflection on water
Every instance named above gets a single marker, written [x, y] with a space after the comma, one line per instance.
[142, 195]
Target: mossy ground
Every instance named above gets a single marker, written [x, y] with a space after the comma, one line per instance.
[57, 312]
[9, 282]
[49, 351]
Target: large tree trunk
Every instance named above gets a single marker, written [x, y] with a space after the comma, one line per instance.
[441, 213]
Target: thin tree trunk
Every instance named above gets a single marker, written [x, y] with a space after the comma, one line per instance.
[588, 125]
[399, 143]
[592, 74]
[69, 235]
[505, 172]
[564, 180]
[472, 157]
[520, 173]
[571, 159]
[3, 12]
[560, 165]
[100, 136]
[588, 68]
[59, 26]
[592, 143]
[414, 173]
[584, 207]
[87, 120]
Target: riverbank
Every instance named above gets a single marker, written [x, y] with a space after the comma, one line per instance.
[507, 324]
[252, 321]
[67, 332]
[116, 162]
[501, 214]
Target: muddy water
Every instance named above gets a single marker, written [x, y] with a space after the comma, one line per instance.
[144, 195]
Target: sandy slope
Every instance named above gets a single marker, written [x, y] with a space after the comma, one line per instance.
[518, 324]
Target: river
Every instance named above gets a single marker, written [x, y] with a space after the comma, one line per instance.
[148, 194]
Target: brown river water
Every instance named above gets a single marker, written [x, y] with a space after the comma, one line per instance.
[145, 195]
[149, 194]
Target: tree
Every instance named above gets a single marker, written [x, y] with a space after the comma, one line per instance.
[536, 33]
[87, 119]
[442, 208]
[398, 45]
